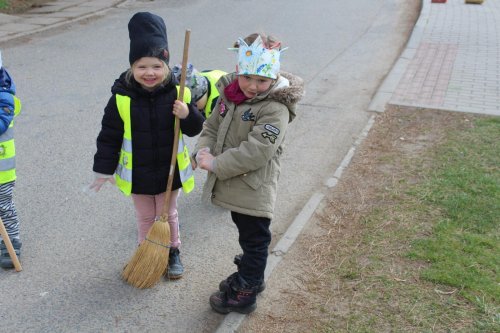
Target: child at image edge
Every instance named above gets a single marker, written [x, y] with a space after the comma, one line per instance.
[137, 135]
[10, 107]
[240, 147]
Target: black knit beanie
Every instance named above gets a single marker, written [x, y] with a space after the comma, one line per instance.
[148, 37]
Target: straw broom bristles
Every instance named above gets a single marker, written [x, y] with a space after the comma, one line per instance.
[150, 260]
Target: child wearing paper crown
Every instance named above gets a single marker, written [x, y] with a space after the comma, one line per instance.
[202, 86]
[9, 108]
[137, 135]
[240, 147]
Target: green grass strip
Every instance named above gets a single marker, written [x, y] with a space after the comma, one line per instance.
[464, 248]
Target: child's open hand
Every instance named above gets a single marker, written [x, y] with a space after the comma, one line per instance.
[99, 180]
[181, 110]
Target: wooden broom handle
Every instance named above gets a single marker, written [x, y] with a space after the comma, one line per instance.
[10, 248]
[177, 127]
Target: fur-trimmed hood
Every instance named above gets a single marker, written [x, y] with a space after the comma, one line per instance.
[289, 90]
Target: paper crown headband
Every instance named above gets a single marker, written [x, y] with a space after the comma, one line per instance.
[257, 59]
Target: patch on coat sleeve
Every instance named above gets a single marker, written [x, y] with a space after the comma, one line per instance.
[271, 133]
[272, 129]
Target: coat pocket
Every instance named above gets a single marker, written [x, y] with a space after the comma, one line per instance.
[257, 178]
[253, 179]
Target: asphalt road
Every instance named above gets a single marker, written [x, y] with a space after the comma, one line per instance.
[76, 244]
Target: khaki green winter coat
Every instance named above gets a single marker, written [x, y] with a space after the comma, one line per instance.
[247, 142]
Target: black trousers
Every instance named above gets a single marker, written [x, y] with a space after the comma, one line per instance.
[254, 239]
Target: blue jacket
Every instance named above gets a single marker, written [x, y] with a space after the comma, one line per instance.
[7, 92]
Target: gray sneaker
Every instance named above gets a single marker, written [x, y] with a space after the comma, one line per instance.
[175, 268]
[5, 260]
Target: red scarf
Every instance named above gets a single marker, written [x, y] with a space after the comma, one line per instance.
[234, 94]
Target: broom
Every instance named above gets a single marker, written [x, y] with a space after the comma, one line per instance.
[150, 260]
[10, 248]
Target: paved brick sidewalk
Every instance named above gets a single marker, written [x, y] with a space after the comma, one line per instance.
[51, 15]
[452, 61]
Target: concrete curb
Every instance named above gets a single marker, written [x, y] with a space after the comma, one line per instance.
[388, 86]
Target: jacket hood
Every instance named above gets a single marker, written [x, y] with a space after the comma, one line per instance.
[287, 90]
[6, 82]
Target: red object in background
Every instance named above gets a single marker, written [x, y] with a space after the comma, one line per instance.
[438, 1]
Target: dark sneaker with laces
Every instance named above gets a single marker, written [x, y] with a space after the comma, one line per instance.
[5, 260]
[224, 284]
[239, 297]
[175, 268]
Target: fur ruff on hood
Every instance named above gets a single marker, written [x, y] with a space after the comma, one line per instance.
[291, 94]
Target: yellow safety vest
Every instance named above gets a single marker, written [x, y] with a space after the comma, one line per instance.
[123, 173]
[8, 149]
[213, 77]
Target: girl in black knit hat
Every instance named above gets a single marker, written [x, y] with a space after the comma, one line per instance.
[134, 146]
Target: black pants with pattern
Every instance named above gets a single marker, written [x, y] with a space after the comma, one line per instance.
[8, 211]
[254, 239]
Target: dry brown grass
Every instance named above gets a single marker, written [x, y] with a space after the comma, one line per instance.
[348, 272]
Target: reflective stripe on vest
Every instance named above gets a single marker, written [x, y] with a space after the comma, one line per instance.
[183, 159]
[123, 173]
[213, 77]
[184, 162]
[8, 149]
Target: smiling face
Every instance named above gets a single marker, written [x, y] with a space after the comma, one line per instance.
[149, 72]
[252, 85]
